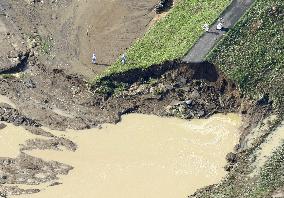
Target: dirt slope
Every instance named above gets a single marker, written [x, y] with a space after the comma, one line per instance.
[69, 31]
[110, 27]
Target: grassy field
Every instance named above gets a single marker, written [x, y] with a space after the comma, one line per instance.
[173, 36]
[252, 53]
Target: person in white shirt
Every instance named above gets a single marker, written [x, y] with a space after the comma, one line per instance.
[94, 58]
[123, 59]
[206, 27]
[219, 26]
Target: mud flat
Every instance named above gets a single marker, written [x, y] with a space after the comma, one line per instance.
[143, 156]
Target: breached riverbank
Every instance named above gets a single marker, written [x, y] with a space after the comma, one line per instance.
[141, 155]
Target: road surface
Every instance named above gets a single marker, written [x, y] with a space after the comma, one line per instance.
[230, 16]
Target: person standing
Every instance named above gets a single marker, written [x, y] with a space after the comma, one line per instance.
[219, 26]
[94, 58]
[206, 27]
[123, 59]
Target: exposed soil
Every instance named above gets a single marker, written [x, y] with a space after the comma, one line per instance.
[196, 90]
[29, 170]
[48, 93]
[68, 32]
[172, 89]
[51, 43]
[49, 97]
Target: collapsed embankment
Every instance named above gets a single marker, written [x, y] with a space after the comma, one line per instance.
[61, 101]
[186, 90]
[202, 70]
[172, 89]
[46, 95]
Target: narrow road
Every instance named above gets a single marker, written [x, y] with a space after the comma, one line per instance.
[230, 16]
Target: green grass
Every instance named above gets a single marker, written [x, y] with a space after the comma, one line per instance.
[46, 44]
[271, 176]
[7, 76]
[171, 37]
[252, 53]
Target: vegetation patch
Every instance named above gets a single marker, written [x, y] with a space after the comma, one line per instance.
[172, 37]
[46, 45]
[263, 185]
[108, 88]
[7, 76]
[271, 176]
[252, 53]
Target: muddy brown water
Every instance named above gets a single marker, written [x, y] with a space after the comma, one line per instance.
[5, 99]
[143, 156]
[11, 137]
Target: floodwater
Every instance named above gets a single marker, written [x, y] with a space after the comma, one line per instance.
[5, 99]
[11, 137]
[144, 156]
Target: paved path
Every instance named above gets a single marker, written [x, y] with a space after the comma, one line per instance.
[230, 16]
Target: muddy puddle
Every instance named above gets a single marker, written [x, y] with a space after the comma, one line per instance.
[143, 156]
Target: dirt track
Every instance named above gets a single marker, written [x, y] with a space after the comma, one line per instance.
[52, 41]
[51, 35]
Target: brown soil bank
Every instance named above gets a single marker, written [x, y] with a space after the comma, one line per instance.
[49, 97]
[62, 101]
[57, 100]
[67, 32]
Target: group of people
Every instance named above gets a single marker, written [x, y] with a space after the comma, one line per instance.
[219, 26]
[94, 58]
